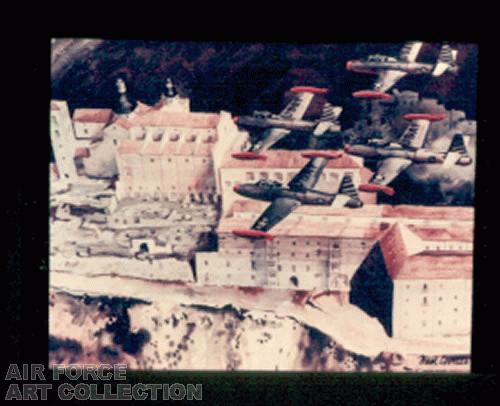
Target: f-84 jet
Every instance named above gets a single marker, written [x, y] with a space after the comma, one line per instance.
[299, 191]
[390, 69]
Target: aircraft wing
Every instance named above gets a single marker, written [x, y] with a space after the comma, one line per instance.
[270, 137]
[275, 212]
[387, 79]
[410, 51]
[308, 175]
[389, 169]
[414, 135]
[297, 106]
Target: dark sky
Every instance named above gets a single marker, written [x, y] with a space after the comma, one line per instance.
[240, 77]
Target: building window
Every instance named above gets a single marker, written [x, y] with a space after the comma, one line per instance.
[250, 176]
[293, 268]
[425, 301]
[278, 176]
[228, 264]
[264, 175]
[425, 287]
[152, 160]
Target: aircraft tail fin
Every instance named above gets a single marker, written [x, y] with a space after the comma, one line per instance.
[347, 187]
[446, 60]
[328, 118]
[347, 195]
[457, 152]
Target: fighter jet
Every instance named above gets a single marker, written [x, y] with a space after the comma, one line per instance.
[277, 126]
[390, 69]
[397, 157]
[300, 190]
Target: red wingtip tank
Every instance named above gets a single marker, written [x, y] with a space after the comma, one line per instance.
[372, 94]
[425, 116]
[371, 187]
[248, 155]
[309, 89]
[321, 154]
[253, 234]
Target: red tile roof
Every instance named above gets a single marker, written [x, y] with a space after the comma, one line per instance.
[372, 210]
[294, 226]
[287, 159]
[93, 115]
[444, 234]
[142, 108]
[152, 148]
[430, 212]
[129, 147]
[429, 266]
[422, 266]
[123, 122]
[157, 118]
[368, 210]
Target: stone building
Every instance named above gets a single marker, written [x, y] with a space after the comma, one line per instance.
[174, 155]
[417, 280]
[316, 247]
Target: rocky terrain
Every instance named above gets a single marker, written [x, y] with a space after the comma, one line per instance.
[155, 336]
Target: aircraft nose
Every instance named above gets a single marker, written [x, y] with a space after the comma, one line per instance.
[236, 119]
[236, 187]
[348, 65]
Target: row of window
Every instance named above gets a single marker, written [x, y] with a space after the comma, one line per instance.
[175, 136]
[186, 160]
[425, 287]
[207, 189]
[279, 176]
[425, 323]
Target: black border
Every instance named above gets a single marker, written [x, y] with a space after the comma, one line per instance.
[26, 237]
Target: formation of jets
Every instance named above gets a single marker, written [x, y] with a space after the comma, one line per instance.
[390, 69]
[393, 157]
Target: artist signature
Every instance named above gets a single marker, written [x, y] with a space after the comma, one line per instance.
[444, 360]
